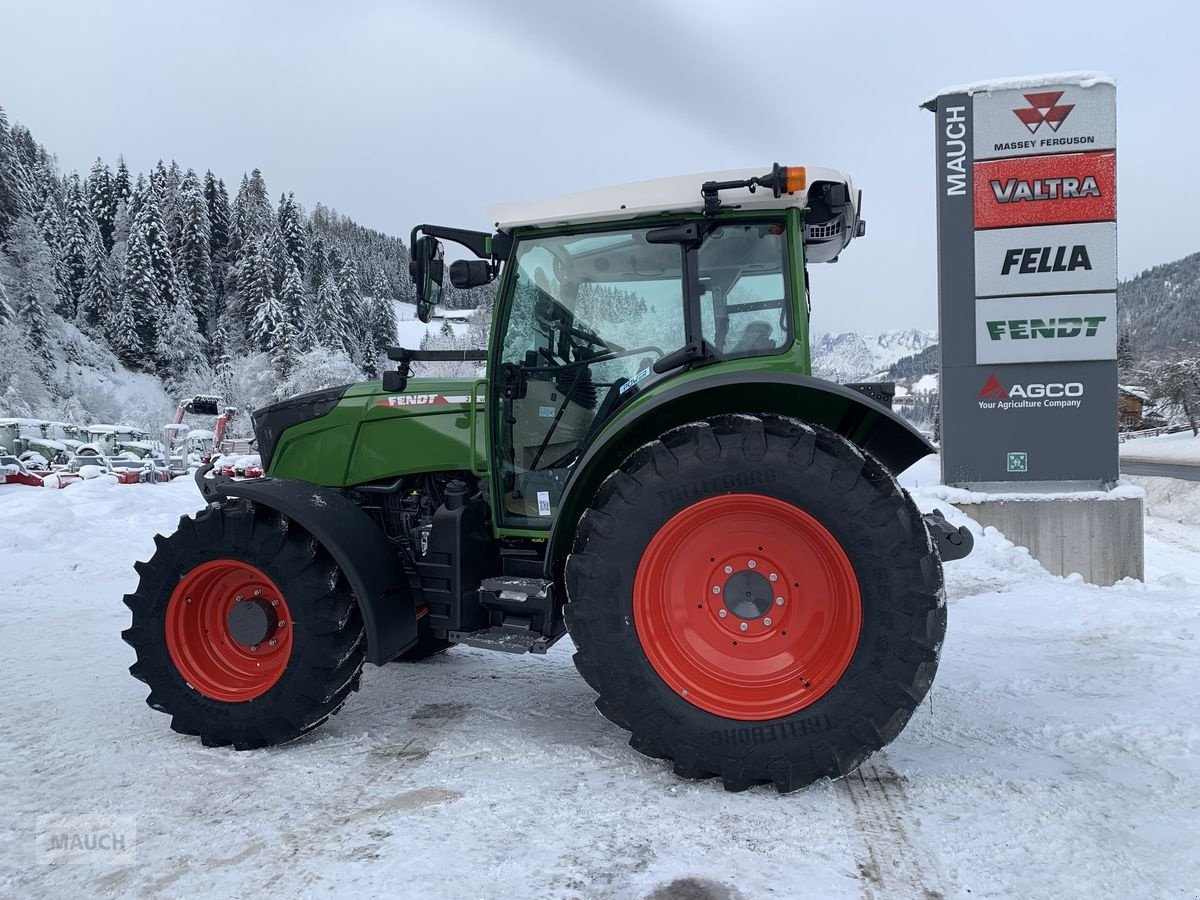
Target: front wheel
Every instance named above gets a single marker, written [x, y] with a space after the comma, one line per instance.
[245, 629]
[754, 598]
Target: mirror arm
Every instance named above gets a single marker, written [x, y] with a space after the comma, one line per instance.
[495, 247]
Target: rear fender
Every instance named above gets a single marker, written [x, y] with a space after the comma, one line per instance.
[870, 425]
[362, 551]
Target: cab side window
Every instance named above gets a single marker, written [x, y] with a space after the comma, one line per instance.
[745, 310]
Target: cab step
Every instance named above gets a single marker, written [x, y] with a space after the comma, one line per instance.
[515, 589]
[505, 638]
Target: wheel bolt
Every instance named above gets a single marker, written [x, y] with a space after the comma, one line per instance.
[774, 577]
[272, 641]
[722, 614]
[767, 622]
[254, 646]
[752, 564]
[728, 569]
[274, 602]
[258, 592]
[743, 626]
[240, 598]
[282, 623]
[716, 589]
[685, 692]
[779, 601]
[189, 599]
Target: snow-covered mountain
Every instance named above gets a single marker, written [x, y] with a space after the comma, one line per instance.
[851, 356]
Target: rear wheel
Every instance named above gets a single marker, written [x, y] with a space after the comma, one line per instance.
[754, 598]
[244, 628]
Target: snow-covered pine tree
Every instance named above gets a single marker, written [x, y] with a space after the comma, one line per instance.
[79, 236]
[102, 201]
[121, 188]
[284, 349]
[99, 292]
[252, 211]
[193, 257]
[16, 191]
[217, 199]
[329, 323]
[122, 222]
[140, 304]
[355, 311]
[264, 308]
[318, 263]
[291, 295]
[180, 348]
[291, 228]
[28, 275]
[149, 221]
[383, 324]
[47, 210]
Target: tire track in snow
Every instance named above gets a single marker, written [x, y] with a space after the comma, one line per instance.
[889, 864]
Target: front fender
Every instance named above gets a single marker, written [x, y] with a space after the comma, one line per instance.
[362, 551]
[870, 425]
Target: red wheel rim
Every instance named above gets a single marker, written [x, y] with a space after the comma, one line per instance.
[201, 638]
[766, 656]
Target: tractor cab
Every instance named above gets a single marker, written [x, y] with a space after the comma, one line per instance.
[604, 295]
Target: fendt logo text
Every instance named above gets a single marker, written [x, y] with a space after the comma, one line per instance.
[1043, 108]
[1032, 260]
[1034, 395]
[1034, 329]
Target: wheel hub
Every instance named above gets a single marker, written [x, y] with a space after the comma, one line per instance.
[748, 594]
[251, 622]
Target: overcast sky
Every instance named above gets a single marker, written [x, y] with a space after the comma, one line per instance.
[397, 113]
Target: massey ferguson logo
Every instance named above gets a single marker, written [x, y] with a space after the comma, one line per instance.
[1043, 108]
[1032, 260]
[1017, 190]
[1034, 395]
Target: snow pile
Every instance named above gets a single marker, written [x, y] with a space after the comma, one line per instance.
[1171, 498]
[1182, 449]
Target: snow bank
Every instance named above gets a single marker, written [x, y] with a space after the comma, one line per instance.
[1171, 498]
[1182, 448]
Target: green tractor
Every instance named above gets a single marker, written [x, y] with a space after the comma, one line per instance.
[647, 463]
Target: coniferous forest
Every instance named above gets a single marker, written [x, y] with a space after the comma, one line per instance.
[121, 292]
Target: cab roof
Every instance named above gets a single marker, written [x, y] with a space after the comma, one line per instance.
[678, 193]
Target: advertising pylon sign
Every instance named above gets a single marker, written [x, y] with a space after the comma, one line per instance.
[1027, 280]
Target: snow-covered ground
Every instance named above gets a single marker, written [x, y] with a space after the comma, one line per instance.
[1182, 448]
[1058, 754]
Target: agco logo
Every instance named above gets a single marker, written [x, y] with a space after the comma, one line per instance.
[1043, 108]
[1033, 395]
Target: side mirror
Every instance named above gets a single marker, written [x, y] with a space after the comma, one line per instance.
[470, 273]
[426, 270]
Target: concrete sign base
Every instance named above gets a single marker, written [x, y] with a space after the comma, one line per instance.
[1102, 540]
